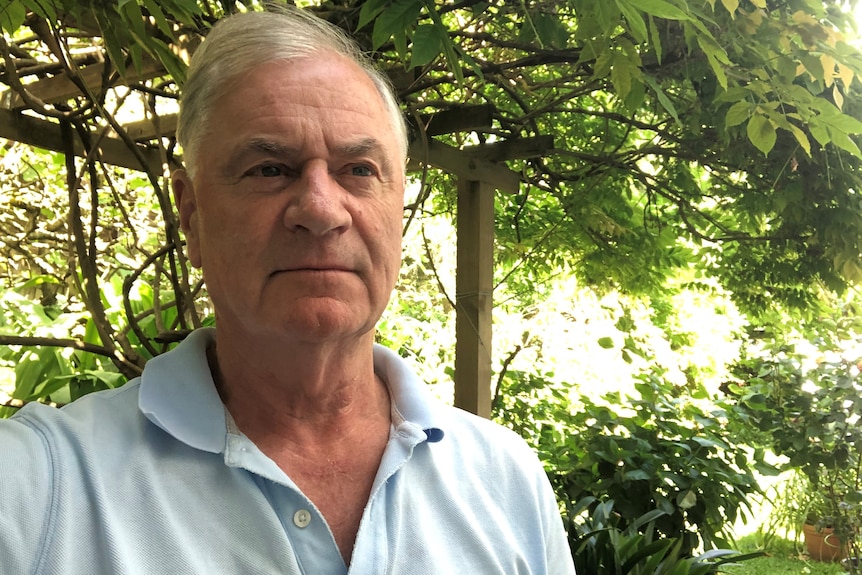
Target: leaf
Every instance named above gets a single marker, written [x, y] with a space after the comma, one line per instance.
[156, 12]
[397, 18]
[732, 6]
[715, 55]
[660, 9]
[801, 138]
[655, 37]
[12, 16]
[621, 75]
[761, 132]
[663, 99]
[369, 12]
[842, 140]
[448, 48]
[837, 97]
[687, 500]
[827, 62]
[738, 113]
[426, 45]
[44, 9]
[846, 74]
[606, 342]
[636, 23]
[607, 15]
[551, 31]
[112, 43]
[175, 66]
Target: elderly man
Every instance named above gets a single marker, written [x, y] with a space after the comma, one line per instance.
[283, 441]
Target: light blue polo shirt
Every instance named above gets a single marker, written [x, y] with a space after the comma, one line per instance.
[154, 478]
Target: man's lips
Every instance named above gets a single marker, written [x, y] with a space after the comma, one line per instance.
[314, 268]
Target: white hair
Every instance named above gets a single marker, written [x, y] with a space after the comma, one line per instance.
[242, 41]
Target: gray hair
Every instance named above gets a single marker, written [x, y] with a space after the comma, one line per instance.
[239, 42]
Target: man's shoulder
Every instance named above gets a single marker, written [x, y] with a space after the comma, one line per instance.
[99, 422]
[95, 410]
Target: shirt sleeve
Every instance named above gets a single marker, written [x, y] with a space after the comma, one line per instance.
[26, 494]
[560, 561]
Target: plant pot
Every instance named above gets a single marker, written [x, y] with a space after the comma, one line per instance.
[822, 544]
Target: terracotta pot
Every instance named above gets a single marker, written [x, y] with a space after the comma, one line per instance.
[822, 544]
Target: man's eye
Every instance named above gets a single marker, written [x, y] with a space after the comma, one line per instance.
[270, 171]
[361, 170]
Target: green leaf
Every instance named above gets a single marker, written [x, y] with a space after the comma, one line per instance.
[156, 12]
[426, 45]
[655, 37]
[46, 10]
[175, 66]
[842, 140]
[12, 16]
[606, 342]
[369, 12]
[738, 113]
[801, 138]
[761, 132]
[732, 6]
[663, 99]
[448, 47]
[621, 75]
[715, 56]
[660, 9]
[607, 15]
[551, 32]
[112, 44]
[400, 16]
[636, 22]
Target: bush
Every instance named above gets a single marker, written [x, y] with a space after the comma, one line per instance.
[658, 455]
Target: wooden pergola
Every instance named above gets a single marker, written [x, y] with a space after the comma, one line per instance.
[479, 169]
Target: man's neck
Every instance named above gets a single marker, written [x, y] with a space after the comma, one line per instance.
[300, 394]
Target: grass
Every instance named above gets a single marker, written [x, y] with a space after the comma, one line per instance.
[783, 558]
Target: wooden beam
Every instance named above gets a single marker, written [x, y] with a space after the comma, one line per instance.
[464, 166]
[145, 130]
[46, 134]
[474, 298]
[461, 119]
[520, 148]
[60, 88]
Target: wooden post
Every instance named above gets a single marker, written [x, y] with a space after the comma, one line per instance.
[473, 298]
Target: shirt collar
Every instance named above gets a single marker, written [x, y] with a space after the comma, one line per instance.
[178, 394]
[410, 397]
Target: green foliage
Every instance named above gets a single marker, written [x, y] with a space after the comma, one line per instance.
[708, 143]
[807, 409]
[602, 542]
[658, 450]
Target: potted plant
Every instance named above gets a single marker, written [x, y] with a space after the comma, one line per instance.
[810, 412]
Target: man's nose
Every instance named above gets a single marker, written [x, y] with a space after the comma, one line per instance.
[317, 203]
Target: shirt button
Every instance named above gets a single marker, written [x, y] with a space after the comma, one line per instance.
[302, 518]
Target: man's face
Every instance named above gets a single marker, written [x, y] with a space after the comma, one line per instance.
[295, 209]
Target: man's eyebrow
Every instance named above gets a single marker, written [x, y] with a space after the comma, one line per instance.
[366, 146]
[267, 146]
[360, 147]
[254, 147]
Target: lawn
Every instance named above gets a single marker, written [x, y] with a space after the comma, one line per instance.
[782, 558]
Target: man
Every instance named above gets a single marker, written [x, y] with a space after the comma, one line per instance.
[284, 440]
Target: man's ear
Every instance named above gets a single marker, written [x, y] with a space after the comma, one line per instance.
[184, 197]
